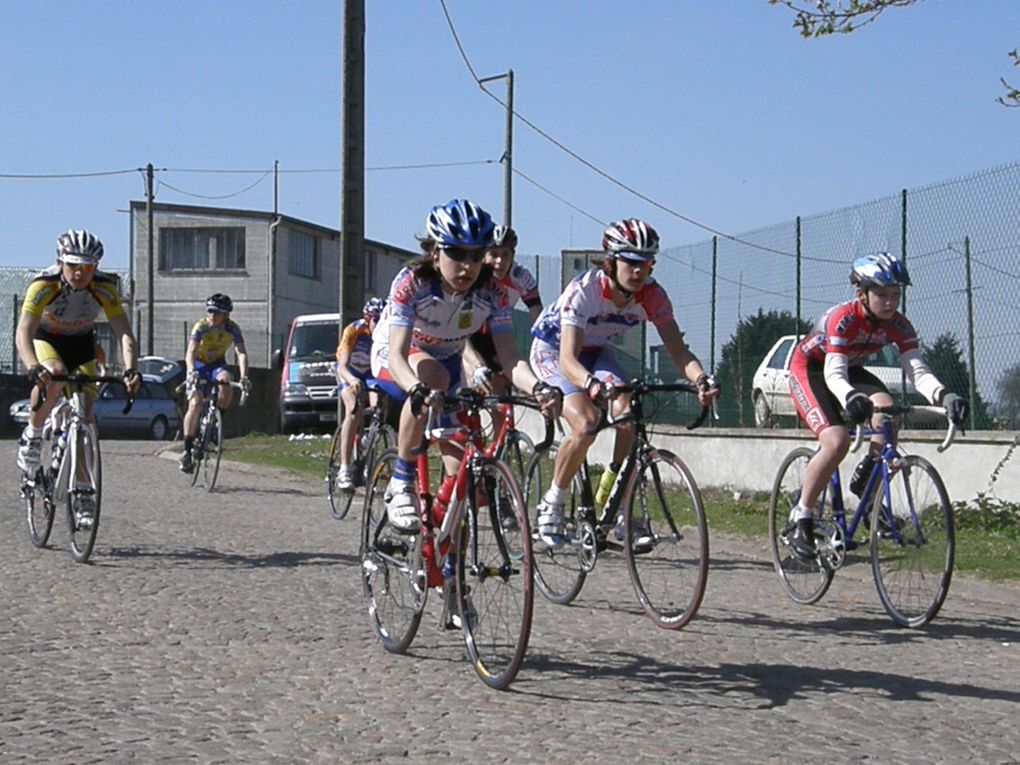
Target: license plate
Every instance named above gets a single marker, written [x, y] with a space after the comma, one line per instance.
[328, 417]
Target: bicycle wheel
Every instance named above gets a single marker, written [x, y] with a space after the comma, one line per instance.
[392, 567]
[495, 592]
[82, 540]
[37, 498]
[913, 543]
[367, 450]
[559, 573]
[339, 502]
[212, 446]
[517, 452]
[198, 451]
[806, 581]
[665, 504]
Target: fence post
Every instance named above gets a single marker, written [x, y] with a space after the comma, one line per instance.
[971, 373]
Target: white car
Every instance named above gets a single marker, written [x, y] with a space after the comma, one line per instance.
[770, 387]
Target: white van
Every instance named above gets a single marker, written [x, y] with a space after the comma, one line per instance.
[307, 365]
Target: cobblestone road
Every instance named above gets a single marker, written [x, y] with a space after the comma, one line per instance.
[228, 627]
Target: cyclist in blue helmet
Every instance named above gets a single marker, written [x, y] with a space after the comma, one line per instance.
[827, 377]
[434, 305]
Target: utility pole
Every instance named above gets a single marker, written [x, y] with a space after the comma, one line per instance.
[152, 258]
[352, 157]
[508, 151]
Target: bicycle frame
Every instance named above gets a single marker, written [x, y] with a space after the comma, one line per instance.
[642, 444]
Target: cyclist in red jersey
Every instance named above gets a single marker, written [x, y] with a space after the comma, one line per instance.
[827, 375]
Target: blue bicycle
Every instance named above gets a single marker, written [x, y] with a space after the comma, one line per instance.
[908, 524]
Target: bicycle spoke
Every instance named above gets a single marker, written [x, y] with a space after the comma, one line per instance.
[667, 549]
[392, 569]
[494, 579]
[805, 581]
[82, 536]
[559, 573]
[913, 543]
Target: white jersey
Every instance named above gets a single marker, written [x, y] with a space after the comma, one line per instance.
[587, 303]
[441, 324]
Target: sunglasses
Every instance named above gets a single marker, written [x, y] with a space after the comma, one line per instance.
[635, 261]
[460, 254]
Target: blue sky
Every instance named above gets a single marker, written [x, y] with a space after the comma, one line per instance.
[717, 110]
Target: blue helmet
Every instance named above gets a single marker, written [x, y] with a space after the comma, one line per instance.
[374, 308]
[460, 223]
[879, 270]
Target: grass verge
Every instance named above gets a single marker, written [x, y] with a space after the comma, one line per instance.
[987, 530]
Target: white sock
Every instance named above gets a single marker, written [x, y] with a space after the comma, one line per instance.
[33, 432]
[800, 512]
[555, 495]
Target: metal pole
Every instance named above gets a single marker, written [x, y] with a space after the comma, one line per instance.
[508, 150]
[971, 374]
[796, 331]
[151, 261]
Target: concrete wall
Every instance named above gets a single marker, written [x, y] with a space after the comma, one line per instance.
[746, 460]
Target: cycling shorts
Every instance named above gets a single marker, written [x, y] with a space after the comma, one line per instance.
[818, 406]
[76, 352]
[600, 362]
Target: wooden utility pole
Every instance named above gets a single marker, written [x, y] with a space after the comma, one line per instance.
[352, 157]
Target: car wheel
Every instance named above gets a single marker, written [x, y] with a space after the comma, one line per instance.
[763, 417]
[158, 428]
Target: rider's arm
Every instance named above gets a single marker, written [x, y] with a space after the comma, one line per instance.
[399, 348]
[836, 377]
[472, 359]
[242, 359]
[571, 342]
[128, 347]
[517, 368]
[920, 374]
[534, 311]
[189, 355]
[343, 369]
[684, 359]
[24, 335]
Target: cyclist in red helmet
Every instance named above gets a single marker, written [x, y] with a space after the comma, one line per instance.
[571, 351]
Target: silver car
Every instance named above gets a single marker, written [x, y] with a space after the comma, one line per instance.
[154, 414]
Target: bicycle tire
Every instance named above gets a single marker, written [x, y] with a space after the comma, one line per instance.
[37, 499]
[392, 567]
[82, 541]
[913, 543]
[669, 578]
[198, 453]
[805, 581]
[495, 585]
[337, 503]
[559, 573]
[517, 451]
[375, 442]
[212, 446]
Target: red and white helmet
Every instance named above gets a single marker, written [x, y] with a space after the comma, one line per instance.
[632, 239]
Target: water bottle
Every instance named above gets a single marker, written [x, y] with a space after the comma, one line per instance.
[58, 453]
[862, 473]
[442, 501]
[605, 485]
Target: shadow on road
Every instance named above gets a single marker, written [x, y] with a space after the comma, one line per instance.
[217, 559]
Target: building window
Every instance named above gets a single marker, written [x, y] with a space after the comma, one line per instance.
[303, 254]
[201, 249]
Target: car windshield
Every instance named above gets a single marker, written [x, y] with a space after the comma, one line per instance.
[314, 340]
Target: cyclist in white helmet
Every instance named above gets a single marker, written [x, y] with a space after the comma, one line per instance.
[56, 334]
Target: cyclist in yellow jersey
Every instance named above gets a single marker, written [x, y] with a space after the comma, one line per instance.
[211, 338]
[56, 335]
[353, 369]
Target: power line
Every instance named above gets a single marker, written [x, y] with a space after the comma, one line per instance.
[222, 196]
[594, 168]
[59, 176]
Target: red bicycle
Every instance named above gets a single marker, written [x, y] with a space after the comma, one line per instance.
[474, 546]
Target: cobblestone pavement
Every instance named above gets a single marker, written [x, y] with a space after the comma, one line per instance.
[229, 627]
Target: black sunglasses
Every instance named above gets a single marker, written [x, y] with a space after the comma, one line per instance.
[460, 254]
